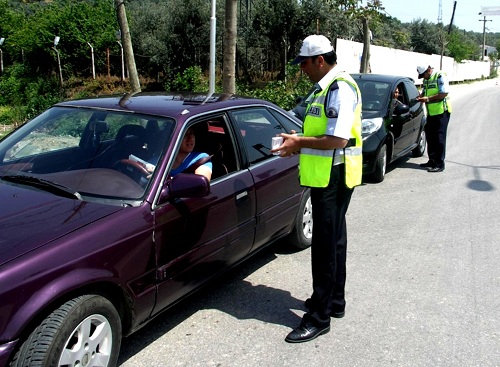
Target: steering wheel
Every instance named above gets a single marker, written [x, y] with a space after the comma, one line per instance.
[131, 168]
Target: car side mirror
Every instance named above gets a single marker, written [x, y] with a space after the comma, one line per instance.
[401, 109]
[186, 185]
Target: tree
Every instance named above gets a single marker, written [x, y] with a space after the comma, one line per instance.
[127, 46]
[229, 64]
[390, 32]
[171, 36]
[364, 14]
[425, 37]
[461, 47]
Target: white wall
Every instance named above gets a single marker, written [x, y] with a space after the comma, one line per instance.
[391, 61]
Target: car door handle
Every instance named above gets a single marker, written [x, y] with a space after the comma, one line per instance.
[242, 196]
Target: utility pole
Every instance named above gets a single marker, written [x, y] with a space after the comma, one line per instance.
[444, 38]
[440, 12]
[484, 34]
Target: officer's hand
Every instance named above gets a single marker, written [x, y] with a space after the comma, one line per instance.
[290, 146]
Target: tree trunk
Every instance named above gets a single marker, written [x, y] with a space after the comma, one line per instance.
[365, 58]
[127, 46]
[229, 67]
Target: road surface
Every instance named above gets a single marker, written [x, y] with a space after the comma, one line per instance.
[423, 285]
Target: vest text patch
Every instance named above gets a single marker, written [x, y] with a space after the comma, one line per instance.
[314, 111]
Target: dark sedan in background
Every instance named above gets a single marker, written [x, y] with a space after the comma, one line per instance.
[390, 128]
[97, 238]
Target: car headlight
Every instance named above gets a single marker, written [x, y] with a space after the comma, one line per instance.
[369, 126]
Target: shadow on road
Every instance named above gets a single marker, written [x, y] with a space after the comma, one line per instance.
[231, 294]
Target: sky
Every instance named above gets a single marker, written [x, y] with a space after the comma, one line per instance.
[466, 12]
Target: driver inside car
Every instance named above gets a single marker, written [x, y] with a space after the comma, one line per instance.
[190, 161]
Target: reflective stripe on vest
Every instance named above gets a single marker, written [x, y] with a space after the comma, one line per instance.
[316, 164]
[431, 89]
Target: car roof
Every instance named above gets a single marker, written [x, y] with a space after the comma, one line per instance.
[166, 103]
[380, 77]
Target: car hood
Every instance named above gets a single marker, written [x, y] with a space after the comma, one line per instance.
[373, 114]
[29, 219]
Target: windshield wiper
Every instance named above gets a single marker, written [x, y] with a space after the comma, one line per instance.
[46, 185]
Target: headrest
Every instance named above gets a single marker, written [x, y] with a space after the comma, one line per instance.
[130, 130]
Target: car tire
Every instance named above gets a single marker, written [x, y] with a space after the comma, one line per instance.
[83, 331]
[380, 165]
[420, 148]
[301, 235]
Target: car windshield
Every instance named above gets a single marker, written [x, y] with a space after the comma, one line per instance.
[374, 94]
[91, 154]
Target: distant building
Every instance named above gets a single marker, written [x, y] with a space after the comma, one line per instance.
[488, 50]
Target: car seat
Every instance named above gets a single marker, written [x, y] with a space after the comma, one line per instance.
[130, 139]
[208, 140]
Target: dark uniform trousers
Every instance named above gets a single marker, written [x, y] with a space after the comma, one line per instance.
[329, 246]
[435, 132]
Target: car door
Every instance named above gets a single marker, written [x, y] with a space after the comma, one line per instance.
[416, 111]
[197, 238]
[276, 181]
[402, 124]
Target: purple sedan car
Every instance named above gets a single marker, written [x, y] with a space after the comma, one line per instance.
[96, 236]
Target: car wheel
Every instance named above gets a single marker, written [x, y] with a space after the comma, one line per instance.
[85, 331]
[301, 235]
[380, 165]
[420, 148]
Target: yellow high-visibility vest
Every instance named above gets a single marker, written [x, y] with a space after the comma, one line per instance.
[316, 164]
[431, 89]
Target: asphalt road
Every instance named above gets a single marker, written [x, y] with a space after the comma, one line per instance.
[423, 284]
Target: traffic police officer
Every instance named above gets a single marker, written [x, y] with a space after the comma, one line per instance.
[331, 165]
[435, 96]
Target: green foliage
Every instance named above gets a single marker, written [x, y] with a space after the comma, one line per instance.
[11, 117]
[76, 23]
[172, 34]
[171, 44]
[425, 37]
[461, 47]
[284, 94]
[190, 79]
[31, 94]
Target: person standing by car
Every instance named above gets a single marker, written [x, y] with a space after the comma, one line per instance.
[435, 96]
[331, 165]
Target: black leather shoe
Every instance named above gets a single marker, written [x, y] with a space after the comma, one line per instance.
[338, 314]
[436, 169]
[428, 164]
[306, 331]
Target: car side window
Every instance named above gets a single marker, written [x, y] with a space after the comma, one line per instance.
[403, 97]
[257, 126]
[214, 138]
[411, 90]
